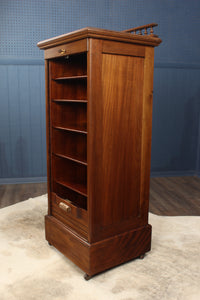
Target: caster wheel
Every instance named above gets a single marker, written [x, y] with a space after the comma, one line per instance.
[141, 256]
[87, 277]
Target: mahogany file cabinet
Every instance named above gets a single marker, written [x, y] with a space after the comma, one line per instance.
[99, 86]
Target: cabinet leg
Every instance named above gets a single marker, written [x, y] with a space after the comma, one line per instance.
[141, 256]
[49, 244]
[87, 277]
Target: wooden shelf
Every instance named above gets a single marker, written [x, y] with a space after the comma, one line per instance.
[70, 144]
[76, 198]
[70, 129]
[78, 188]
[70, 100]
[70, 158]
[79, 77]
[69, 115]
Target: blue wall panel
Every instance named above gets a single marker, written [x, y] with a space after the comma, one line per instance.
[176, 110]
[14, 120]
[22, 118]
[24, 23]
[5, 147]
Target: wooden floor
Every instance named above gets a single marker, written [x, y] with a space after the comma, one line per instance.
[13, 193]
[175, 196]
[169, 196]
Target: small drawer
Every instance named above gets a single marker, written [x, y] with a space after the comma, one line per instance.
[66, 49]
[70, 215]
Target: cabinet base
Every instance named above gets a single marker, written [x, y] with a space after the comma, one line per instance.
[100, 256]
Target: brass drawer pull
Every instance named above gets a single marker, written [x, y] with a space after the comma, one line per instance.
[62, 51]
[64, 207]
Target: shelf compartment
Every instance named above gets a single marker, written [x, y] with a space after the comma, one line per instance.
[69, 195]
[71, 145]
[72, 116]
[70, 65]
[70, 174]
[69, 89]
[76, 187]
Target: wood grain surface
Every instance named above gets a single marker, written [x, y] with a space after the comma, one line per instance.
[101, 193]
[118, 104]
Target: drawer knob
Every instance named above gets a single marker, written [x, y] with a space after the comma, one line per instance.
[64, 207]
[62, 51]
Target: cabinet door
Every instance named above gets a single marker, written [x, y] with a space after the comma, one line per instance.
[115, 145]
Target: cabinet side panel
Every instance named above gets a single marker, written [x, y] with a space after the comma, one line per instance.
[122, 82]
[115, 145]
[146, 130]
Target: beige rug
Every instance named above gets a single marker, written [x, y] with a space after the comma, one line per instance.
[30, 269]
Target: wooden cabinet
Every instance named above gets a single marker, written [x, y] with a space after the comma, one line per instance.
[99, 87]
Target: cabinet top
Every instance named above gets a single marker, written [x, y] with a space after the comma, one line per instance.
[137, 37]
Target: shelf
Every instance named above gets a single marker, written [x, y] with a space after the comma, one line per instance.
[76, 199]
[70, 66]
[72, 145]
[70, 174]
[70, 100]
[70, 158]
[69, 115]
[69, 129]
[77, 77]
[73, 87]
[78, 188]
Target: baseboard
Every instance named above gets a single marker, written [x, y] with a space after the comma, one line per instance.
[173, 173]
[44, 178]
[23, 180]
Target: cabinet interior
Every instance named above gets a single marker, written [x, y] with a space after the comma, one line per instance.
[68, 110]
